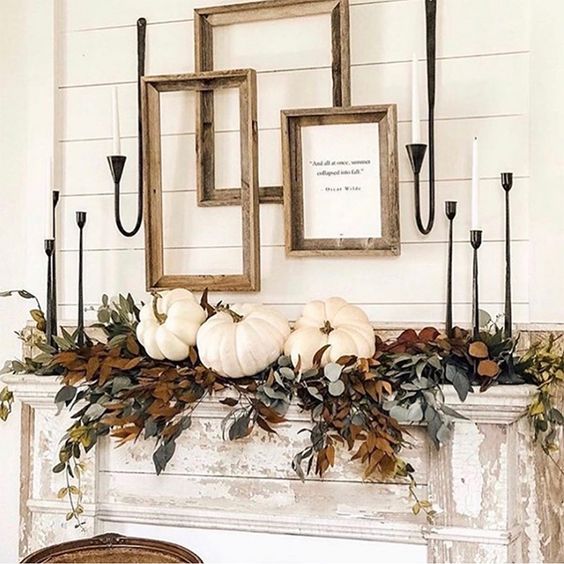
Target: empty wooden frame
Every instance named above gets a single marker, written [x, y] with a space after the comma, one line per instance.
[206, 19]
[341, 185]
[245, 81]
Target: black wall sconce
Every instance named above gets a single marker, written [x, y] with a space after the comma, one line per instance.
[117, 162]
[416, 151]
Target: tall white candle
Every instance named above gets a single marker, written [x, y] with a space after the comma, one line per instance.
[415, 104]
[115, 123]
[49, 202]
[475, 185]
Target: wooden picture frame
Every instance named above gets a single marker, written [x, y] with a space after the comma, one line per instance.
[385, 144]
[152, 86]
[205, 20]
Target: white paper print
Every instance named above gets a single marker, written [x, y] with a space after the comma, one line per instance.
[341, 181]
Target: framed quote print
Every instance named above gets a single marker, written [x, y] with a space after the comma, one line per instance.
[151, 89]
[208, 19]
[341, 185]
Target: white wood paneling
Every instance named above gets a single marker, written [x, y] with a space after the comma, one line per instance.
[391, 31]
[500, 30]
[503, 141]
[221, 226]
[298, 280]
[472, 87]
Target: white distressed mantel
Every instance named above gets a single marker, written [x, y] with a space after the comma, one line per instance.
[493, 506]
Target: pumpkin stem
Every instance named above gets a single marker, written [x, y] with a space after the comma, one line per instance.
[326, 329]
[234, 315]
[160, 317]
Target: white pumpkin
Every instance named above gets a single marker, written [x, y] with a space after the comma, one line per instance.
[169, 324]
[333, 322]
[242, 340]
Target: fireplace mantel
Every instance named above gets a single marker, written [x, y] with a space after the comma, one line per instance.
[497, 497]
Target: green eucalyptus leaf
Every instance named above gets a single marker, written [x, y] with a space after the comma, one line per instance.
[94, 411]
[287, 373]
[415, 412]
[443, 434]
[120, 383]
[284, 361]
[103, 316]
[400, 413]
[336, 388]
[274, 394]
[484, 318]
[333, 372]
[240, 427]
[66, 394]
[151, 428]
[458, 378]
[314, 392]
[162, 456]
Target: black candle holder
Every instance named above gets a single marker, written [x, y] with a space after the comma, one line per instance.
[476, 242]
[49, 246]
[56, 196]
[117, 162]
[450, 211]
[507, 184]
[81, 222]
[417, 151]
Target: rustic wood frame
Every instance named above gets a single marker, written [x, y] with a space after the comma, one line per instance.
[205, 20]
[292, 122]
[152, 86]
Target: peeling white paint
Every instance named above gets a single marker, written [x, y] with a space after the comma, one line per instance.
[532, 520]
[466, 468]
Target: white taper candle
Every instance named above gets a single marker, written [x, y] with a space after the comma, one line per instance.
[475, 185]
[415, 104]
[49, 202]
[115, 123]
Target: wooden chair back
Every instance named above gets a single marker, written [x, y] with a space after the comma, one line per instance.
[111, 548]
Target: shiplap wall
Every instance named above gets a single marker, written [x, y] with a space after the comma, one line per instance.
[482, 89]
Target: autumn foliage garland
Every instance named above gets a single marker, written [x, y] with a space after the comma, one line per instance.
[113, 388]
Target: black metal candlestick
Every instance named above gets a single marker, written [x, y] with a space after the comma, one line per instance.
[476, 242]
[54, 301]
[450, 210]
[117, 162]
[49, 246]
[416, 152]
[507, 184]
[81, 222]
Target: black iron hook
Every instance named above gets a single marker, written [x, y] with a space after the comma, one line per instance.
[117, 162]
[416, 160]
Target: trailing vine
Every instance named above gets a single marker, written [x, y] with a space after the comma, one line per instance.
[112, 388]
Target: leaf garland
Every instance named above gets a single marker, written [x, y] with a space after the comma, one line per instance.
[362, 405]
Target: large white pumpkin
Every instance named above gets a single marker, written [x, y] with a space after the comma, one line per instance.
[169, 324]
[333, 322]
[242, 340]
